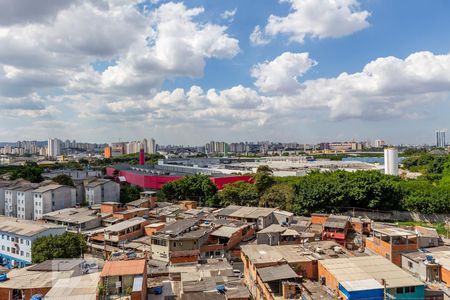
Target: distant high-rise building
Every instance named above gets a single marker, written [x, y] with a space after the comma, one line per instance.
[440, 138]
[391, 161]
[378, 144]
[53, 147]
[151, 146]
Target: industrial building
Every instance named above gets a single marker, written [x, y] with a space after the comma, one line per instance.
[154, 177]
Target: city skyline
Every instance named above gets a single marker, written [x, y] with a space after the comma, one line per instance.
[188, 72]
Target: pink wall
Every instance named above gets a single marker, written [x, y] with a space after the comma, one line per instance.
[156, 182]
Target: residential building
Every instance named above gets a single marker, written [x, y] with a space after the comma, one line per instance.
[274, 272]
[124, 278]
[301, 258]
[337, 228]
[29, 281]
[147, 199]
[430, 265]
[363, 278]
[107, 152]
[151, 146]
[120, 232]
[53, 148]
[19, 191]
[440, 138]
[427, 237]
[17, 237]
[101, 190]
[76, 219]
[225, 238]
[52, 197]
[262, 217]
[391, 242]
[281, 235]
[179, 242]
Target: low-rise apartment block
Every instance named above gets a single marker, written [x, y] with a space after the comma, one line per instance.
[101, 190]
[52, 197]
[17, 237]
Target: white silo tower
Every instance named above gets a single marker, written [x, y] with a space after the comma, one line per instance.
[391, 161]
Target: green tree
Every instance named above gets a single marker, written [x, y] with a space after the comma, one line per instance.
[67, 245]
[278, 195]
[196, 187]
[130, 193]
[239, 193]
[30, 171]
[263, 179]
[64, 179]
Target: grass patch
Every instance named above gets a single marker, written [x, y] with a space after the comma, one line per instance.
[440, 227]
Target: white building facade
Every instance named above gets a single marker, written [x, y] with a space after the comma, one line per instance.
[53, 147]
[17, 237]
[51, 198]
[101, 190]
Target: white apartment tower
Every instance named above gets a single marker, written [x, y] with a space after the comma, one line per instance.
[151, 146]
[53, 147]
[391, 161]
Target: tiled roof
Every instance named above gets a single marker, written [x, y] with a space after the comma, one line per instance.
[123, 267]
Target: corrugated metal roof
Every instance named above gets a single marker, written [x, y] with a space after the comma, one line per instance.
[337, 222]
[369, 267]
[361, 285]
[277, 273]
[23, 227]
[225, 231]
[75, 288]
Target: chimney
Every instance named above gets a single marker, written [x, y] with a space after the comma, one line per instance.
[141, 157]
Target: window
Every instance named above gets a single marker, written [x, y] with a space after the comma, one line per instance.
[7, 249]
[21, 253]
[21, 241]
[3, 247]
[410, 265]
[28, 243]
[410, 289]
[28, 254]
[400, 290]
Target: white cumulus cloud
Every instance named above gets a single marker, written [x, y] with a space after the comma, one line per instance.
[280, 75]
[317, 19]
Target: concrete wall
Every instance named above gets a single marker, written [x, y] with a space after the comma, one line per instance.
[268, 238]
[400, 216]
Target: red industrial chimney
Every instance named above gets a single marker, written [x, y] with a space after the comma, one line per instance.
[141, 157]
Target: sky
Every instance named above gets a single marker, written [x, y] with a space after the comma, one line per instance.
[187, 72]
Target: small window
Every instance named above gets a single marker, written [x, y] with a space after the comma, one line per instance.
[399, 290]
[410, 264]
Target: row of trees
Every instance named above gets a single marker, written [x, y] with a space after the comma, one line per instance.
[317, 192]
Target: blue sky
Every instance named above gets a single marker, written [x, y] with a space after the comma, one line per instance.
[186, 72]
